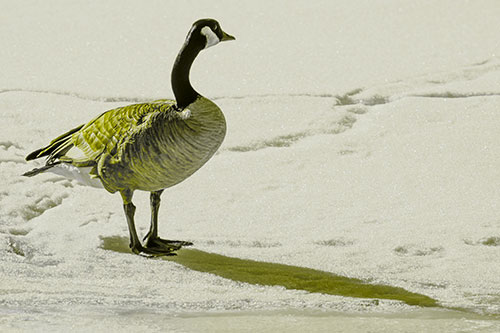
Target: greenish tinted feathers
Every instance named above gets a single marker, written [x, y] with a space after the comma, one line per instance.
[147, 146]
[106, 132]
[163, 150]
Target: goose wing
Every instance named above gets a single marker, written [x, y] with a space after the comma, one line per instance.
[83, 145]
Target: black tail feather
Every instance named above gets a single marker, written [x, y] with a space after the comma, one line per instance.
[54, 145]
[34, 155]
[36, 171]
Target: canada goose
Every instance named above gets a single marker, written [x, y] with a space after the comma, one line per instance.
[149, 146]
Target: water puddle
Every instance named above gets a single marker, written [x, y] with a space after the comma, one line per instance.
[271, 274]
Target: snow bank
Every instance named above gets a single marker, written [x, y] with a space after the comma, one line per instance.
[362, 140]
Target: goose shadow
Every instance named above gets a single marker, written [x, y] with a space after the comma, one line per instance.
[272, 274]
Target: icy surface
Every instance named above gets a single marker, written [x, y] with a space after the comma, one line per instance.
[362, 140]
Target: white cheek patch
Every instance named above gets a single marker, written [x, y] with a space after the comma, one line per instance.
[212, 38]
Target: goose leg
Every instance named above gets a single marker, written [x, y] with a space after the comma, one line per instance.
[155, 207]
[152, 239]
[135, 243]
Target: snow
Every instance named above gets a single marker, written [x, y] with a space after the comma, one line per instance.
[362, 140]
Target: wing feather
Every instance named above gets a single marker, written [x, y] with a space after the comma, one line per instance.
[102, 134]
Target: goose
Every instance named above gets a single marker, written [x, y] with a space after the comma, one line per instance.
[147, 147]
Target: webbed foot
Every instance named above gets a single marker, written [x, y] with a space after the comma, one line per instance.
[152, 251]
[157, 247]
[157, 243]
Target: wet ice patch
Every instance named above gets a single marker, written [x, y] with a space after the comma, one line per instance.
[356, 97]
[348, 98]
[358, 109]
[277, 142]
[416, 250]
[20, 247]
[487, 241]
[244, 244]
[334, 242]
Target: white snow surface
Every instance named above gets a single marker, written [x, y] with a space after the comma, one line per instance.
[363, 140]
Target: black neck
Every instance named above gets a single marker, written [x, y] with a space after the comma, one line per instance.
[183, 91]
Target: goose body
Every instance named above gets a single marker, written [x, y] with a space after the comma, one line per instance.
[149, 146]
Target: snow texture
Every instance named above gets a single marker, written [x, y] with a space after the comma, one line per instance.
[362, 140]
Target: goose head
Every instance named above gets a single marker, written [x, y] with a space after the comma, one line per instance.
[206, 33]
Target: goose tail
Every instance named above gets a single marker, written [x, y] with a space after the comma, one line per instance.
[36, 171]
[55, 147]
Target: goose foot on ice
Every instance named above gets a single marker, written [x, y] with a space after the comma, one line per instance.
[158, 244]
